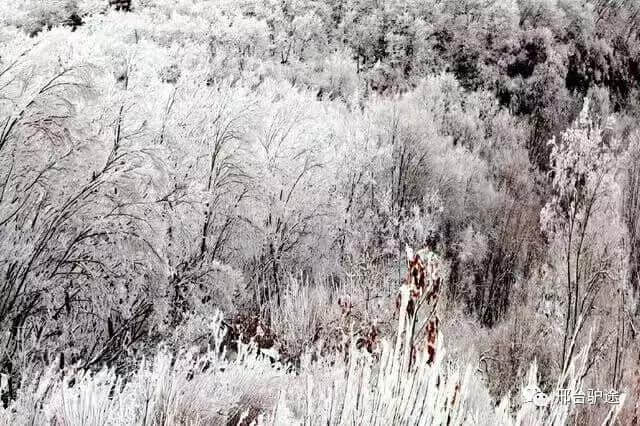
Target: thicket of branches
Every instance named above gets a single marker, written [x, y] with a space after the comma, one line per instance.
[271, 159]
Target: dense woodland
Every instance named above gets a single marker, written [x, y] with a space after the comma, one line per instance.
[175, 169]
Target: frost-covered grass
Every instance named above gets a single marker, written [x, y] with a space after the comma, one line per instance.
[210, 387]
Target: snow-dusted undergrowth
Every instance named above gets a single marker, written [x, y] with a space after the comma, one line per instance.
[212, 387]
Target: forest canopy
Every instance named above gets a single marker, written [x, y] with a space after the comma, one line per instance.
[265, 163]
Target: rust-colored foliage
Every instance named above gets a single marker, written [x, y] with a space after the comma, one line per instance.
[249, 328]
[124, 5]
[368, 339]
[423, 281]
[431, 337]
[336, 337]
